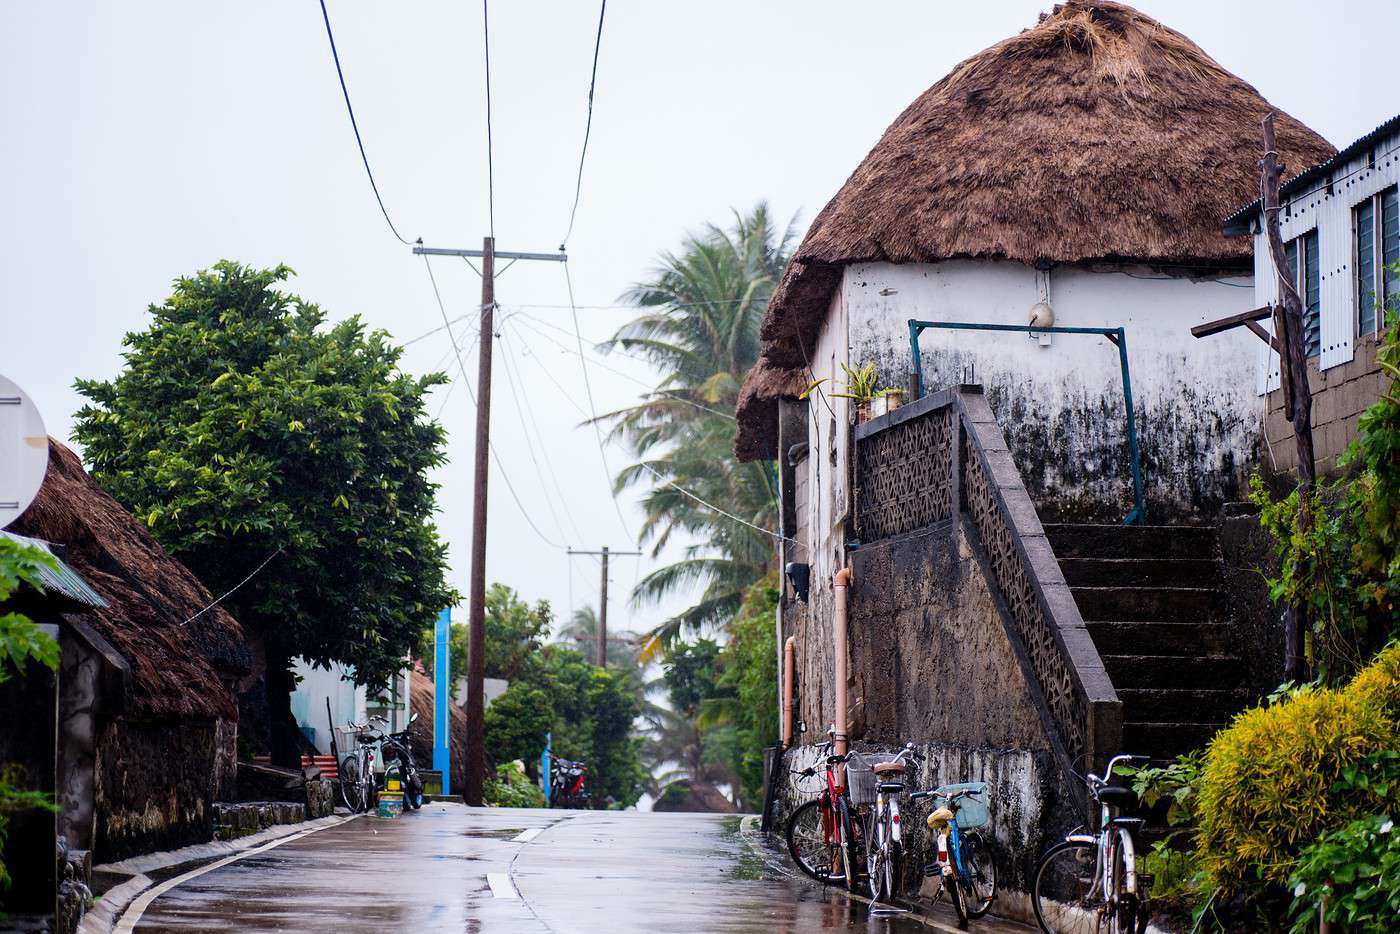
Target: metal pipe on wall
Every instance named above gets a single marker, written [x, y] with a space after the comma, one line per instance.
[789, 665]
[842, 660]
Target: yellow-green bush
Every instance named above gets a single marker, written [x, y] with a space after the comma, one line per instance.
[1266, 790]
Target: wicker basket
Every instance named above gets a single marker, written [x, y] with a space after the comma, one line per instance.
[972, 809]
[860, 778]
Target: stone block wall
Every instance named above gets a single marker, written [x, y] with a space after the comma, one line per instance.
[1339, 396]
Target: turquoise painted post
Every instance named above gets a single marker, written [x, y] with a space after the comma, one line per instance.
[442, 698]
[544, 765]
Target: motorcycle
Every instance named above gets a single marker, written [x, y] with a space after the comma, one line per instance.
[566, 783]
[398, 749]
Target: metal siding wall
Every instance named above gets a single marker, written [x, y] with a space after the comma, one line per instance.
[1266, 376]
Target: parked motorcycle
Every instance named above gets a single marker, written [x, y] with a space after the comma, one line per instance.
[398, 749]
[566, 783]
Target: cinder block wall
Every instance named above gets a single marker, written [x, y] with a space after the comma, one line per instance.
[1339, 396]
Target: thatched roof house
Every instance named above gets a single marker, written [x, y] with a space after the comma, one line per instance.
[1097, 135]
[177, 671]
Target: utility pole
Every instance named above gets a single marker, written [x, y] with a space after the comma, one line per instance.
[602, 634]
[476, 641]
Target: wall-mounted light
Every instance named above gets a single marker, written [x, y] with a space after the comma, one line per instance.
[799, 575]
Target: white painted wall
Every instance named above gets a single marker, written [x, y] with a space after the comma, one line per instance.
[1060, 399]
[318, 685]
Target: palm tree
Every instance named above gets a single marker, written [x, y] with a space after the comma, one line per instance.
[700, 328]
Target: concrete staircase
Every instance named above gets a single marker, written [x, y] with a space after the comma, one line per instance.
[1149, 596]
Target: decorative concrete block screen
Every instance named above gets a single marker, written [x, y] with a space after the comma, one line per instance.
[944, 457]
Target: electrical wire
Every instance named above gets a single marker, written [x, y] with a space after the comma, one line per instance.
[587, 127]
[588, 390]
[462, 368]
[233, 589]
[490, 167]
[356, 127]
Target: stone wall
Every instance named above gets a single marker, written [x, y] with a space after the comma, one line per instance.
[156, 784]
[931, 664]
[1339, 396]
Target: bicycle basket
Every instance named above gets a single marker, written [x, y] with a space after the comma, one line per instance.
[972, 809]
[860, 777]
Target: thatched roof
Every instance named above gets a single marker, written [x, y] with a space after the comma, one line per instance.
[1098, 134]
[757, 435]
[176, 671]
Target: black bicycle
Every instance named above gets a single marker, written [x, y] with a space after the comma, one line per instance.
[398, 748]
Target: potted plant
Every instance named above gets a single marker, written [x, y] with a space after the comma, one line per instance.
[861, 388]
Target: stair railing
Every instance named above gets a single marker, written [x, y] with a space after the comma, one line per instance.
[942, 457]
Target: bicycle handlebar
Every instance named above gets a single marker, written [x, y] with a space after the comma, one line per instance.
[1095, 782]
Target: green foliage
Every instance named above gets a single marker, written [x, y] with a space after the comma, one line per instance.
[517, 721]
[691, 674]
[749, 702]
[511, 788]
[1345, 568]
[1356, 871]
[20, 639]
[14, 799]
[1177, 783]
[861, 385]
[241, 425]
[514, 630]
[1280, 776]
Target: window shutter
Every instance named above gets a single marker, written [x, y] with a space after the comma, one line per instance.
[1364, 224]
[1390, 243]
[1266, 373]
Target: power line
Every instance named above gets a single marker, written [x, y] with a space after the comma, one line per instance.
[355, 126]
[231, 590]
[588, 390]
[588, 125]
[490, 168]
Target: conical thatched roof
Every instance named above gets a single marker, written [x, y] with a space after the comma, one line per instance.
[176, 671]
[1097, 135]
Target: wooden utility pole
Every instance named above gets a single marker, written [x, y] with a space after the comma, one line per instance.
[1293, 377]
[602, 633]
[476, 634]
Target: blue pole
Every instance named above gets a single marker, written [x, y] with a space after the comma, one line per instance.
[544, 765]
[442, 698]
[1137, 515]
[914, 328]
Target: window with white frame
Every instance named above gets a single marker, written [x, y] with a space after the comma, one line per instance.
[1376, 240]
[1304, 266]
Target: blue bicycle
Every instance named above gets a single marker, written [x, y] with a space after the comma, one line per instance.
[964, 863]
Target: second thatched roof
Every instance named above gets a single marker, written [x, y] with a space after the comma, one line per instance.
[178, 669]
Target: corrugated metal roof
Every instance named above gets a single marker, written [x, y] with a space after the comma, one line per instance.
[1238, 222]
[62, 579]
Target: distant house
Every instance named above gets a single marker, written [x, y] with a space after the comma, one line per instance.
[1340, 222]
[156, 725]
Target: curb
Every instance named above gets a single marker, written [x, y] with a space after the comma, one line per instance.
[104, 915]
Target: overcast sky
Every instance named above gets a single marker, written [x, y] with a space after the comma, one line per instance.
[144, 140]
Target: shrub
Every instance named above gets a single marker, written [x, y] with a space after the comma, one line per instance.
[512, 788]
[1356, 870]
[1280, 776]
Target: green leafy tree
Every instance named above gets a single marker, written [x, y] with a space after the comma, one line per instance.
[514, 632]
[516, 723]
[702, 308]
[244, 427]
[21, 641]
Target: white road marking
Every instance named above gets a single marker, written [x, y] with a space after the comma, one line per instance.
[528, 835]
[501, 886]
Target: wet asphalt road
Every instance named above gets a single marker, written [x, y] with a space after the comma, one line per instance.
[452, 868]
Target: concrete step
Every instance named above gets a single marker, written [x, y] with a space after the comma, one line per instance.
[1137, 572]
[1132, 541]
[1165, 741]
[1149, 604]
[1114, 637]
[1165, 705]
[1221, 672]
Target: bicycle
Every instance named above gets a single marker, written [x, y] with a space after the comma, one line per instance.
[821, 836]
[884, 850]
[357, 769]
[1089, 882]
[964, 860]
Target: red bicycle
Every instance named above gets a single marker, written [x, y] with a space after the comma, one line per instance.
[823, 834]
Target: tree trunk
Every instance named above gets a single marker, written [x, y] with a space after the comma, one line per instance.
[284, 734]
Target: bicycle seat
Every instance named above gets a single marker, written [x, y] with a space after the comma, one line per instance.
[886, 768]
[835, 760]
[1116, 797]
[892, 788]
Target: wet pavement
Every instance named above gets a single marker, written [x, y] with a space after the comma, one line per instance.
[452, 868]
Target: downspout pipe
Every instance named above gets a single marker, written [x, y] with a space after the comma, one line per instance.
[789, 664]
[842, 661]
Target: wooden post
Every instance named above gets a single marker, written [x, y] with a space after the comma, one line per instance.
[1292, 362]
[602, 633]
[476, 646]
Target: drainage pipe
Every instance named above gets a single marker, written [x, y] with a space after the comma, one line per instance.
[842, 661]
[789, 663]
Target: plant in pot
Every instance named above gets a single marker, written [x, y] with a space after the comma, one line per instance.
[861, 389]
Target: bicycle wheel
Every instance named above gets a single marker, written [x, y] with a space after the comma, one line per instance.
[894, 865]
[954, 887]
[1123, 905]
[807, 843]
[1065, 891]
[979, 875]
[351, 787]
[877, 843]
[851, 847]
